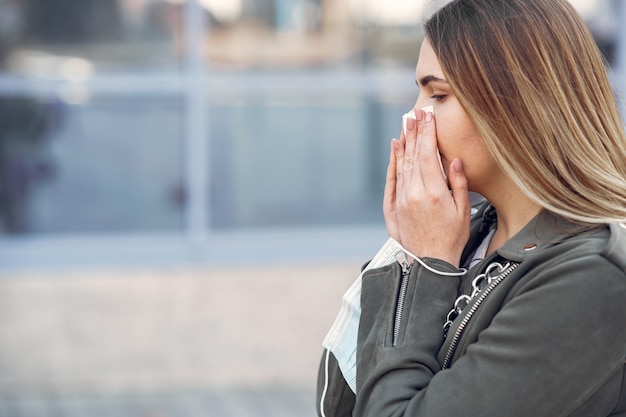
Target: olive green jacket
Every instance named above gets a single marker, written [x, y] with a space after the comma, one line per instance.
[547, 337]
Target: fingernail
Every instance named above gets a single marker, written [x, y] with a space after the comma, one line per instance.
[457, 165]
[410, 124]
[419, 115]
[429, 117]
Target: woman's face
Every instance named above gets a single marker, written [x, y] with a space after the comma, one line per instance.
[456, 135]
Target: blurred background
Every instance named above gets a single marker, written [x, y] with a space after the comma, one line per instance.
[187, 188]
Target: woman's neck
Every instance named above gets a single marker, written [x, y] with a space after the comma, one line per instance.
[514, 211]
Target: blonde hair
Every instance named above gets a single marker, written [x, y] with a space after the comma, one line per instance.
[531, 78]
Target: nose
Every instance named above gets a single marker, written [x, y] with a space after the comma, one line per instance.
[421, 102]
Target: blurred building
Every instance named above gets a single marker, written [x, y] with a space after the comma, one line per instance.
[161, 129]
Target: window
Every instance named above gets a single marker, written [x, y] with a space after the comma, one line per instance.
[156, 130]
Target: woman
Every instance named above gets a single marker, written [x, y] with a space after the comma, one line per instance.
[520, 310]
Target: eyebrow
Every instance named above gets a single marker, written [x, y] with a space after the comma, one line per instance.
[424, 81]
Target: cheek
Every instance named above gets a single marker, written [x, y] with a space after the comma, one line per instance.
[454, 129]
[450, 140]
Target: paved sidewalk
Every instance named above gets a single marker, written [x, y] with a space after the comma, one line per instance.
[236, 403]
[171, 342]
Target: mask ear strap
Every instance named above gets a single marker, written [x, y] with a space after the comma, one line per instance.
[462, 271]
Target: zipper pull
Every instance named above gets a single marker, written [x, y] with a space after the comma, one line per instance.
[404, 263]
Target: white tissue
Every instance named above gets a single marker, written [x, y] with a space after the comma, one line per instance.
[405, 117]
[411, 114]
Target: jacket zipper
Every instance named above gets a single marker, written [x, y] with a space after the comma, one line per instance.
[404, 283]
[483, 294]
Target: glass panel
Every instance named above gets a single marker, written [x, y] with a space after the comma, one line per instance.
[69, 38]
[312, 161]
[108, 165]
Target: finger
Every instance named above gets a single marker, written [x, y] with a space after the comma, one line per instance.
[459, 187]
[402, 139]
[405, 118]
[411, 139]
[399, 152]
[428, 154]
[389, 194]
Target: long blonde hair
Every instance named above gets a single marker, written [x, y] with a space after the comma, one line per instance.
[531, 78]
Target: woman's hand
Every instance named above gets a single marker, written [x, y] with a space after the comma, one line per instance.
[389, 195]
[421, 212]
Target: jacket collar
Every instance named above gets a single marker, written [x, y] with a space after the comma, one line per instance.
[544, 230]
[614, 249]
